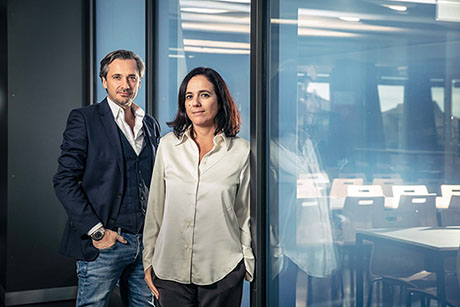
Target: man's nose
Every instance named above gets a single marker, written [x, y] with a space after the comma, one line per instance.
[125, 84]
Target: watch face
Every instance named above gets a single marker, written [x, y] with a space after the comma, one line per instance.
[98, 235]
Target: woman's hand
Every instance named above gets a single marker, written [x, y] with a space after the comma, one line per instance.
[149, 281]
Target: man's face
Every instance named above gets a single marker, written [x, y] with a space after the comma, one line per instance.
[122, 82]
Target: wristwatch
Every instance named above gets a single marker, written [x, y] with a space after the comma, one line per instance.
[98, 234]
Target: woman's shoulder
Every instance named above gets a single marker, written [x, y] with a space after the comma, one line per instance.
[169, 137]
[240, 144]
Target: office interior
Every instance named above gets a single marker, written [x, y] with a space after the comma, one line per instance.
[352, 109]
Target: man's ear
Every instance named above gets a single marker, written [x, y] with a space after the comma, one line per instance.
[104, 82]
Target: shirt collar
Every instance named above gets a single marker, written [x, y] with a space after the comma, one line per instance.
[117, 110]
[221, 137]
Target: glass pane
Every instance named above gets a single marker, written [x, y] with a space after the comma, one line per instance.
[213, 34]
[202, 33]
[362, 92]
[113, 32]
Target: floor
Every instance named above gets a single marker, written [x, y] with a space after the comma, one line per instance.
[114, 302]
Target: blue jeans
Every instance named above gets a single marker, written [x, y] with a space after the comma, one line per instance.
[120, 262]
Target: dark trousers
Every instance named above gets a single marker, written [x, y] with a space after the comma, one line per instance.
[224, 293]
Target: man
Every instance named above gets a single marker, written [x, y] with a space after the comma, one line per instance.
[103, 177]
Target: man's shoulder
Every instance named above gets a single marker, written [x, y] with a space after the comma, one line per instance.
[88, 109]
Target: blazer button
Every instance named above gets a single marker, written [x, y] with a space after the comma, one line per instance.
[119, 195]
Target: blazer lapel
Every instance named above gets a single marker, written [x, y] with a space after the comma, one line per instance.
[148, 133]
[112, 132]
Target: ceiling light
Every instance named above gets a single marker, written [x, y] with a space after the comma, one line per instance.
[399, 8]
[349, 18]
[203, 10]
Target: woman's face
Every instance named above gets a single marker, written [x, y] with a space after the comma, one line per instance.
[201, 102]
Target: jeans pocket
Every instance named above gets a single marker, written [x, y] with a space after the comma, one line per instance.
[82, 268]
[111, 247]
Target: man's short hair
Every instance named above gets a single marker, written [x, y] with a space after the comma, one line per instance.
[122, 55]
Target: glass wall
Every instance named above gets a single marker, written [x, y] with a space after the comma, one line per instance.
[190, 34]
[213, 34]
[363, 93]
[120, 24]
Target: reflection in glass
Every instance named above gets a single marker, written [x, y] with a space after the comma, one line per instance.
[362, 89]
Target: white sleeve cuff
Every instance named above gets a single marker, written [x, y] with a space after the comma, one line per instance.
[96, 227]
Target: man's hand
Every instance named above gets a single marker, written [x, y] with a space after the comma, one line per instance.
[109, 239]
[149, 281]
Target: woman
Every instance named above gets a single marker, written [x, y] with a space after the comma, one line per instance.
[197, 241]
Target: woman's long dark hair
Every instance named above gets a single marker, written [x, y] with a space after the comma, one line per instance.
[227, 118]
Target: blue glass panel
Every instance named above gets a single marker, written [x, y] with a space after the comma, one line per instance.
[363, 97]
[214, 34]
[120, 24]
[202, 33]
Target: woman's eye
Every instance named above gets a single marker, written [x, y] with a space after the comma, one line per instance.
[205, 95]
[188, 97]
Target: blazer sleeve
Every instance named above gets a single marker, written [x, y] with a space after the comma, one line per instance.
[71, 168]
[155, 208]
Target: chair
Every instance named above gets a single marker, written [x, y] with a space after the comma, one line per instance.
[387, 184]
[447, 191]
[357, 213]
[451, 215]
[358, 209]
[339, 188]
[352, 175]
[415, 208]
[452, 294]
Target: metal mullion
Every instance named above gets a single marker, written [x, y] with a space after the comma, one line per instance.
[259, 147]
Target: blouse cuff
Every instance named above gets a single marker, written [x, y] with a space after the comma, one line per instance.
[249, 262]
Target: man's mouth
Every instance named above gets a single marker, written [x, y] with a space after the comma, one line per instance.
[124, 94]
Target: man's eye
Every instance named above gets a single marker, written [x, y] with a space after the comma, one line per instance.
[133, 78]
[116, 77]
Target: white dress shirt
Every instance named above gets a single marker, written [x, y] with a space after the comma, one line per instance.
[197, 221]
[136, 140]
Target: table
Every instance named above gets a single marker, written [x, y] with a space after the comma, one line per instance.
[440, 242]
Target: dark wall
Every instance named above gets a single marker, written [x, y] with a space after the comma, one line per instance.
[46, 79]
[3, 138]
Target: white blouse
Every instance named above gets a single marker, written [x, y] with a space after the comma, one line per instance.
[197, 221]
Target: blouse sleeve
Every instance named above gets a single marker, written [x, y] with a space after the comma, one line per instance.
[155, 208]
[242, 211]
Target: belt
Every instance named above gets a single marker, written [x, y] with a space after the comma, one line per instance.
[121, 230]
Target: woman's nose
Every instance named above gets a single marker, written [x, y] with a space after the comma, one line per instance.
[196, 101]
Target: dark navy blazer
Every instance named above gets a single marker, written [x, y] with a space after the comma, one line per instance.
[90, 179]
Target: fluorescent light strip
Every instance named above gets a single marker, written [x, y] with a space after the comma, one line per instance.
[233, 7]
[349, 18]
[417, 1]
[212, 27]
[283, 21]
[245, 20]
[325, 33]
[215, 50]
[218, 44]
[203, 10]
[399, 8]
